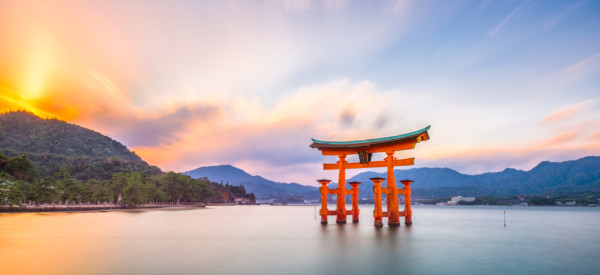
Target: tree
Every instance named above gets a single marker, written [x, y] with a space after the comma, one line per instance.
[101, 192]
[69, 188]
[174, 185]
[117, 184]
[199, 191]
[252, 197]
[134, 192]
[10, 191]
[46, 190]
[20, 168]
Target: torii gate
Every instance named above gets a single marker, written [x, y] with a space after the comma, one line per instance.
[365, 149]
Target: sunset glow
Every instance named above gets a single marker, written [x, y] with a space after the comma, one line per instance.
[192, 83]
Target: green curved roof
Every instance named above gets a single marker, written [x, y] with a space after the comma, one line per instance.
[366, 142]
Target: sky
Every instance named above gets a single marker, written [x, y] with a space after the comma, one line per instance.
[186, 84]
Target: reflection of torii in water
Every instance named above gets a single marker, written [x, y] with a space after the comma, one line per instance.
[365, 149]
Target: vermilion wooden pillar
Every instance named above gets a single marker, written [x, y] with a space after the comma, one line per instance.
[377, 212]
[341, 194]
[407, 209]
[355, 210]
[392, 194]
[324, 191]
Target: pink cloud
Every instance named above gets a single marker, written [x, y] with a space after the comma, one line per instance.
[596, 136]
[561, 138]
[583, 66]
[567, 112]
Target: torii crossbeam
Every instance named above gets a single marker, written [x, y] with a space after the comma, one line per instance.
[365, 149]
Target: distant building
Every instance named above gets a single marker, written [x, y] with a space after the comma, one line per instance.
[242, 200]
[558, 202]
[571, 203]
[457, 199]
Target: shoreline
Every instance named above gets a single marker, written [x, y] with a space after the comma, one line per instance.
[87, 208]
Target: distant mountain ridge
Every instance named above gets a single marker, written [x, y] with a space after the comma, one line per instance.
[582, 175]
[52, 144]
[547, 178]
[261, 187]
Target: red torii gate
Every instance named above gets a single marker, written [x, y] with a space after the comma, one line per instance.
[365, 149]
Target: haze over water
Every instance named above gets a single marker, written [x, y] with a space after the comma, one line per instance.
[278, 240]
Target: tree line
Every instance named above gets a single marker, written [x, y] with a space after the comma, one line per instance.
[20, 183]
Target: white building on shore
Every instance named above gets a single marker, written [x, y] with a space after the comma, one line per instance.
[457, 199]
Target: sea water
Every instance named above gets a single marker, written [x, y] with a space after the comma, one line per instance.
[291, 240]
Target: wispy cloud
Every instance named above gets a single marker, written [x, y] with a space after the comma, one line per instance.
[554, 21]
[587, 64]
[399, 6]
[507, 19]
[567, 112]
[561, 138]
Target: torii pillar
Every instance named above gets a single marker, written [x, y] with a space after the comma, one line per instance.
[392, 192]
[407, 209]
[324, 191]
[341, 191]
[377, 212]
[355, 211]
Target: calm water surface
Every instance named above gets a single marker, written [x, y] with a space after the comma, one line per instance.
[289, 240]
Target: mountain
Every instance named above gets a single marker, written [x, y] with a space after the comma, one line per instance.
[52, 144]
[547, 178]
[261, 187]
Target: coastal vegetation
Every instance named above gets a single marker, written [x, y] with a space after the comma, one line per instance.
[19, 183]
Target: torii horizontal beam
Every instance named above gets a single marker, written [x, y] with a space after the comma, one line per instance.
[372, 164]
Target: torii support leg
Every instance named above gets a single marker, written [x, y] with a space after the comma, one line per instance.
[392, 195]
[377, 212]
[324, 190]
[407, 209]
[341, 195]
[355, 210]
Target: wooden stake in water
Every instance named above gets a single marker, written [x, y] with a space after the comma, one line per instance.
[315, 213]
[504, 218]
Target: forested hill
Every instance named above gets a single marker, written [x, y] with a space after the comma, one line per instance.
[52, 145]
[25, 132]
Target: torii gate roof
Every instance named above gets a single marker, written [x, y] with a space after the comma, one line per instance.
[416, 136]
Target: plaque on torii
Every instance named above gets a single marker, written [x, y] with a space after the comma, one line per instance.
[365, 149]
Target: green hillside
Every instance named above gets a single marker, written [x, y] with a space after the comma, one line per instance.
[53, 145]
[52, 161]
